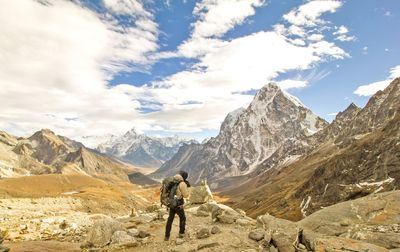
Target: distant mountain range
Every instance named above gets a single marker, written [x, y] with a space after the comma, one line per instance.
[45, 152]
[277, 156]
[141, 150]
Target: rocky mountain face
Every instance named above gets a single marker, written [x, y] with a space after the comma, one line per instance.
[45, 153]
[247, 138]
[356, 155]
[141, 150]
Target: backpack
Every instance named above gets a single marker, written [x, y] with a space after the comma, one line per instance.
[168, 192]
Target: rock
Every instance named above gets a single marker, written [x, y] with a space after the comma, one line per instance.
[179, 241]
[267, 237]
[121, 237]
[101, 232]
[203, 233]
[63, 225]
[4, 248]
[301, 246]
[133, 232]
[257, 234]
[144, 218]
[284, 233]
[200, 194]
[206, 207]
[273, 249]
[249, 250]
[346, 244]
[207, 245]
[240, 211]
[224, 214]
[143, 234]
[370, 219]
[215, 230]
[153, 208]
[201, 213]
[245, 221]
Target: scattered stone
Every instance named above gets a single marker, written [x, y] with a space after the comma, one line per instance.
[101, 232]
[257, 234]
[153, 208]
[203, 233]
[224, 214]
[179, 241]
[201, 213]
[143, 234]
[245, 222]
[4, 249]
[240, 211]
[273, 249]
[133, 232]
[63, 225]
[121, 237]
[207, 245]
[284, 233]
[249, 250]
[215, 230]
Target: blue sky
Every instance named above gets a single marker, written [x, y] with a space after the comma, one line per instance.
[178, 67]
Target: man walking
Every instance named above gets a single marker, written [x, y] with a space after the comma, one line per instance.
[182, 192]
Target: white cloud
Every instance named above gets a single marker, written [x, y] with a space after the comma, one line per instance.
[332, 114]
[372, 88]
[387, 14]
[59, 62]
[56, 62]
[289, 84]
[309, 13]
[341, 34]
[218, 17]
[127, 7]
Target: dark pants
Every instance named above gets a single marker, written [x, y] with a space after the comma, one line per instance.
[182, 220]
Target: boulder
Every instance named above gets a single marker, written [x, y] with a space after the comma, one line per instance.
[372, 219]
[201, 213]
[122, 237]
[133, 232]
[257, 234]
[284, 233]
[143, 234]
[100, 233]
[224, 214]
[215, 230]
[200, 194]
[4, 248]
[207, 245]
[203, 233]
[245, 221]
[345, 244]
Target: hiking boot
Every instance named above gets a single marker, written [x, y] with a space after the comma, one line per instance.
[166, 238]
[181, 235]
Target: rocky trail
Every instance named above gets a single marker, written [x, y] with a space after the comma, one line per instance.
[370, 223]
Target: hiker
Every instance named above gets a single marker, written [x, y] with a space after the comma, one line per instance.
[182, 191]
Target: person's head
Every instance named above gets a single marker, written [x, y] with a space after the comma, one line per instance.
[184, 174]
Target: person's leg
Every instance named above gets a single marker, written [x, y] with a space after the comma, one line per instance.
[169, 223]
[182, 220]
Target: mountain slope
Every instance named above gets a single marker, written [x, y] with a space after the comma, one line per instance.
[356, 155]
[46, 153]
[249, 136]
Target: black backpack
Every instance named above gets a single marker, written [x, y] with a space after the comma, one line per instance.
[168, 192]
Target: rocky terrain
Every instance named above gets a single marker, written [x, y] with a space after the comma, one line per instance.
[141, 150]
[366, 224]
[247, 138]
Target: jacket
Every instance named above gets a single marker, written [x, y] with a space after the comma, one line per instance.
[182, 191]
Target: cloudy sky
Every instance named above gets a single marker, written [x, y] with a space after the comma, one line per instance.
[84, 68]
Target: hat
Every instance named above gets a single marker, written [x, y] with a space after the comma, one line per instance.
[184, 174]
